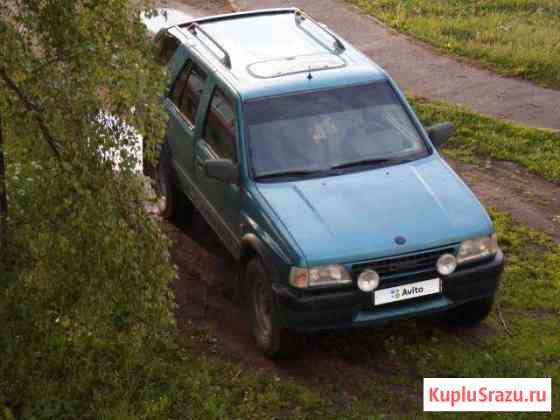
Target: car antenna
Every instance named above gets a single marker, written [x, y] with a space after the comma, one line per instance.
[309, 76]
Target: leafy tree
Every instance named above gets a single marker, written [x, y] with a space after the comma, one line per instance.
[3, 196]
[85, 302]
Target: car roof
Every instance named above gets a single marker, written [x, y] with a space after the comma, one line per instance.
[273, 52]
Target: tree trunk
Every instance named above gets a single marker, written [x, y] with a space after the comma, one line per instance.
[3, 194]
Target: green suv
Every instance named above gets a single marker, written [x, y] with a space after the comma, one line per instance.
[307, 161]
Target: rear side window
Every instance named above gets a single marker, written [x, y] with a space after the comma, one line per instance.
[193, 90]
[187, 90]
[166, 46]
[220, 127]
[179, 86]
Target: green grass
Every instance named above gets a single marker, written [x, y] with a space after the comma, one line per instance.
[483, 137]
[513, 37]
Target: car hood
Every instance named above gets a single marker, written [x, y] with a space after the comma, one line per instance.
[357, 216]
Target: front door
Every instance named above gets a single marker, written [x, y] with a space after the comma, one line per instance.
[218, 140]
[182, 104]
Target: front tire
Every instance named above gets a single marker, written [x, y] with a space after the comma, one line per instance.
[470, 314]
[273, 340]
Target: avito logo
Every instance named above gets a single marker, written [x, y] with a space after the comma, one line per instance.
[406, 292]
[412, 291]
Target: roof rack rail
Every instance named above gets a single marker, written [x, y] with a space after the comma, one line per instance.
[301, 16]
[194, 27]
[250, 13]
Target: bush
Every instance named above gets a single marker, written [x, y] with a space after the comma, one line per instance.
[86, 302]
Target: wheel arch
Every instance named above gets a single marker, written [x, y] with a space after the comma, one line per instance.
[253, 247]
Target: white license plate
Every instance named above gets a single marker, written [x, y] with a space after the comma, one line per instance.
[407, 291]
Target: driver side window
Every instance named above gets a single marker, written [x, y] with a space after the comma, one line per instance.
[188, 89]
[220, 126]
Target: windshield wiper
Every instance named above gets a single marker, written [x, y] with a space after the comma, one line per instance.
[367, 162]
[298, 172]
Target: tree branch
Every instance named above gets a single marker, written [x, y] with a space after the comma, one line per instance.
[30, 106]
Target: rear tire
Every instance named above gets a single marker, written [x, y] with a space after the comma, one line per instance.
[172, 203]
[273, 340]
[470, 314]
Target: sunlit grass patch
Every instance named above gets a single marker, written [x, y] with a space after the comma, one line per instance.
[514, 37]
[484, 137]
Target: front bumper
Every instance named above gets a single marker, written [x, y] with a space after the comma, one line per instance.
[353, 308]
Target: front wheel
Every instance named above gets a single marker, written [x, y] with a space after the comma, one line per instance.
[273, 340]
[470, 314]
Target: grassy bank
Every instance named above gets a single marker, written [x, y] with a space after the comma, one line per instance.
[513, 37]
[480, 136]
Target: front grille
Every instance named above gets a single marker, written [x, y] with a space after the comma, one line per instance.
[407, 264]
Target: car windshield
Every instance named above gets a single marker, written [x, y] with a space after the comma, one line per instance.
[318, 132]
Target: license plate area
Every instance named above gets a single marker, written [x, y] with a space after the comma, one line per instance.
[407, 291]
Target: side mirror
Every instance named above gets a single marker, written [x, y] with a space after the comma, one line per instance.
[440, 133]
[222, 169]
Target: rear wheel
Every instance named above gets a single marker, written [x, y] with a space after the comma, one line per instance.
[470, 314]
[273, 340]
[172, 203]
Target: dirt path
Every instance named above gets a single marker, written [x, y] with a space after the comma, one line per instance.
[529, 199]
[421, 70]
[205, 304]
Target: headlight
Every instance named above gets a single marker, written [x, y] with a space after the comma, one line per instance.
[327, 275]
[478, 248]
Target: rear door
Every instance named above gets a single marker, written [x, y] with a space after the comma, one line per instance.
[218, 140]
[183, 103]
